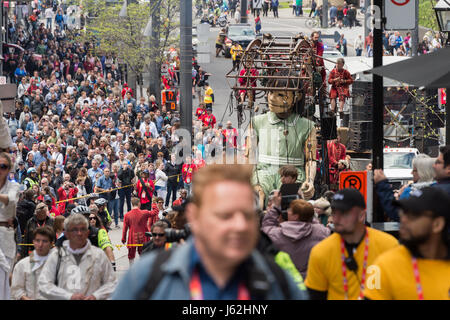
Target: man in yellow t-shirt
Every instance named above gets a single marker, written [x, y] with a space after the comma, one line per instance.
[339, 264]
[209, 96]
[236, 53]
[418, 269]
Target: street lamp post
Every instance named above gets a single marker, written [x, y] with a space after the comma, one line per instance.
[442, 10]
[186, 65]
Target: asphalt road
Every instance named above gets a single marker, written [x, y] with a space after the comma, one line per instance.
[286, 25]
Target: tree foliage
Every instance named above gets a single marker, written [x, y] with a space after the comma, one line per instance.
[427, 16]
[124, 36]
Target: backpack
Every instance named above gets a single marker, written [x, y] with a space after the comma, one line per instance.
[256, 291]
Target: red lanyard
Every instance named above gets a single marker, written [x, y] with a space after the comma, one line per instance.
[195, 287]
[417, 278]
[344, 267]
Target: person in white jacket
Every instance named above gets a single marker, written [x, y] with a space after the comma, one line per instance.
[83, 272]
[160, 180]
[27, 271]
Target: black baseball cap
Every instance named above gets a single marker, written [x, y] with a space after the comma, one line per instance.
[427, 199]
[346, 199]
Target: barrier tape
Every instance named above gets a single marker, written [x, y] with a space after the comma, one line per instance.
[118, 246]
[107, 191]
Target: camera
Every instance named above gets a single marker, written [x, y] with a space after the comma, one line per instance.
[175, 235]
[289, 193]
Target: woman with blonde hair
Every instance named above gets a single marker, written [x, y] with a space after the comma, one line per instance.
[423, 175]
[58, 226]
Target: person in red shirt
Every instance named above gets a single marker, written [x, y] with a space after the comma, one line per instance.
[181, 199]
[144, 189]
[200, 112]
[340, 80]
[199, 162]
[336, 152]
[245, 82]
[52, 209]
[230, 135]
[125, 90]
[187, 171]
[319, 48]
[135, 221]
[209, 120]
[67, 191]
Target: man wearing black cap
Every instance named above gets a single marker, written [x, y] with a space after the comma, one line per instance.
[419, 268]
[339, 265]
[21, 172]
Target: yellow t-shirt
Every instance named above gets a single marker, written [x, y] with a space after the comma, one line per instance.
[208, 97]
[235, 51]
[396, 280]
[325, 264]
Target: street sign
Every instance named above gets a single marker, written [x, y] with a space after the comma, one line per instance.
[2, 80]
[7, 95]
[169, 98]
[400, 14]
[354, 179]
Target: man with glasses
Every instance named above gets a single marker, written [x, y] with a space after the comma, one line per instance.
[40, 218]
[136, 223]
[158, 241]
[19, 135]
[66, 270]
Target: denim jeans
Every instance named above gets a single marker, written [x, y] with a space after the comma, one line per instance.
[124, 193]
[188, 187]
[161, 192]
[171, 190]
[115, 208]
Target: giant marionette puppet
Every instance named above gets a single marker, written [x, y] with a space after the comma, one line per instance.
[287, 77]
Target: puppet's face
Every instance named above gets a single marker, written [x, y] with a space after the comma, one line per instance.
[281, 102]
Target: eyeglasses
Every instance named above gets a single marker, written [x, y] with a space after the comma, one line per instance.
[77, 230]
[160, 202]
[158, 235]
[4, 166]
[92, 218]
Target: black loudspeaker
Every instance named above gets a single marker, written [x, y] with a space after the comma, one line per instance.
[328, 129]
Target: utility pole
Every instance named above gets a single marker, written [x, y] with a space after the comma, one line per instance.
[154, 67]
[366, 15]
[244, 6]
[378, 103]
[415, 32]
[325, 14]
[186, 65]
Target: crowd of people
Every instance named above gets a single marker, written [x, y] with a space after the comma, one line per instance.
[79, 147]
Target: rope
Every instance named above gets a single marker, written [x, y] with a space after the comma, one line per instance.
[107, 191]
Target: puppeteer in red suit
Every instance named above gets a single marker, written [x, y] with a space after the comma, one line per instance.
[340, 80]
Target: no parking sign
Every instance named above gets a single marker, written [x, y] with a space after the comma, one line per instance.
[355, 180]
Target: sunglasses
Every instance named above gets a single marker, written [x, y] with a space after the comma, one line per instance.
[158, 235]
[161, 202]
[92, 218]
[4, 166]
